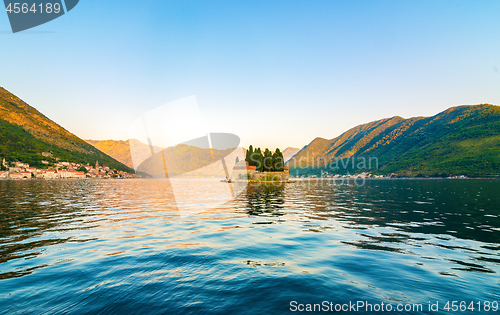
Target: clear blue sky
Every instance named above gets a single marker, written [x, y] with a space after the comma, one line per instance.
[276, 73]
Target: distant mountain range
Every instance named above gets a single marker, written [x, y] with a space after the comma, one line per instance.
[191, 161]
[25, 134]
[182, 159]
[120, 150]
[289, 152]
[462, 140]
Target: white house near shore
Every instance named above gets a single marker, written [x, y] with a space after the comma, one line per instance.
[71, 174]
[20, 175]
[47, 174]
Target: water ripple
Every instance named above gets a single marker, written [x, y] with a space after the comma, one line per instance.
[109, 246]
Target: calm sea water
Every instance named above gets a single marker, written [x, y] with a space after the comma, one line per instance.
[120, 247]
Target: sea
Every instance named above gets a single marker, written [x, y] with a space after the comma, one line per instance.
[376, 246]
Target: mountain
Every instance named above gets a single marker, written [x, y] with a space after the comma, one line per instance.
[183, 159]
[462, 140]
[289, 152]
[25, 134]
[120, 150]
[189, 160]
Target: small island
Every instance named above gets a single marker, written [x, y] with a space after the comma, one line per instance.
[264, 166]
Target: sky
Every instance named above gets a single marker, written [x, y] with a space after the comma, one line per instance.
[275, 73]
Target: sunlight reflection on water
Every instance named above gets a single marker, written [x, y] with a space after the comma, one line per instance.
[121, 245]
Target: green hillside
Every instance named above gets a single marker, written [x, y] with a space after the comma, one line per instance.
[463, 140]
[25, 133]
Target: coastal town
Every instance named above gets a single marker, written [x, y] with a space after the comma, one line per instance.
[361, 175]
[326, 175]
[59, 170]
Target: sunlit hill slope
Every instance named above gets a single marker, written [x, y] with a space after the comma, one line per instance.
[462, 140]
[120, 150]
[25, 133]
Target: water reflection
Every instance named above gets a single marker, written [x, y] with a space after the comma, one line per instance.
[266, 199]
[410, 217]
[38, 215]
[404, 240]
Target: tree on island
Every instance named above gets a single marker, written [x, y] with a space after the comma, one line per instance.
[258, 160]
[237, 160]
[248, 157]
[267, 162]
[278, 161]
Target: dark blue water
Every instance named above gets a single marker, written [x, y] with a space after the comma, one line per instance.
[120, 247]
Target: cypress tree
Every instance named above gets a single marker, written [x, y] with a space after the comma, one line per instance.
[248, 157]
[259, 160]
[264, 162]
[237, 160]
[275, 160]
[278, 161]
[268, 161]
[253, 156]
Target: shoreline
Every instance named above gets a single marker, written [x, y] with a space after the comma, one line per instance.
[390, 178]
